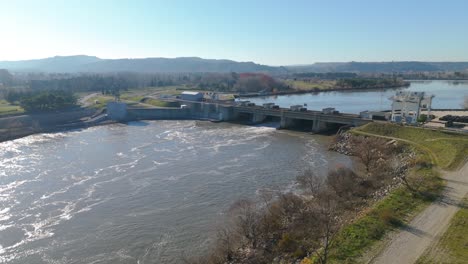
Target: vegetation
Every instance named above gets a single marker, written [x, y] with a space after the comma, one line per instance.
[335, 219]
[113, 83]
[326, 75]
[160, 103]
[420, 187]
[339, 81]
[390, 213]
[310, 85]
[47, 101]
[356, 83]
[9, 109]
[453, 246]
[6, 79]
[445, 149]
[41, 101]
[286, 227]
[100, 101]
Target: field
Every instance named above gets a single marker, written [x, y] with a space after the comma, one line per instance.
[320, 85]
[453, 246]
[99, 101]
[9, 109]
[159, 103]
[446, 150]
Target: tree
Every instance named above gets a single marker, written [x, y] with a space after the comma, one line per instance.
[47, 100]
[5, 77]
[329, 223]
[370, 151]
[247, 219]
[310, 182]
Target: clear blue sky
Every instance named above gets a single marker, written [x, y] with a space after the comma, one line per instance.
[264, 31]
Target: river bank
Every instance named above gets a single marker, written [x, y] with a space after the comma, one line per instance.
[143, 191]
[18, 126]
[316, 91]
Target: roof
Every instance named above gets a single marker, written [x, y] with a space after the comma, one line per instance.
[191, 93]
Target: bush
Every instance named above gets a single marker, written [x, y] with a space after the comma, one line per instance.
[47, 100]
[422, 118]
[388, 216]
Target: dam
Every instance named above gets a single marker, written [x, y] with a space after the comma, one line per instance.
[316, 121]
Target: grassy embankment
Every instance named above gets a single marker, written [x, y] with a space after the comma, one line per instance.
[9, 109]
[136, 97]
[320, 85]
[453, 246]
[446, 150]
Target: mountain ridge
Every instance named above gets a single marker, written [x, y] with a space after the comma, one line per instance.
[92, 64]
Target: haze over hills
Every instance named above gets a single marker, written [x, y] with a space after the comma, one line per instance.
[83, 63]
[384, 67]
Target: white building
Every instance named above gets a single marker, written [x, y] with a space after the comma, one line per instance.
[406, 106]
[191, 96]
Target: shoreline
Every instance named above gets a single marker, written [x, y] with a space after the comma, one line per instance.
[319, 91]
[14, 134]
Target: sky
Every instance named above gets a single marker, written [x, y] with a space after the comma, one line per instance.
[271, 32]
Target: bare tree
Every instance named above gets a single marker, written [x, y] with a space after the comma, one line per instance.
[247, 219]
[329, 223]
[370, 151]
[310, 182]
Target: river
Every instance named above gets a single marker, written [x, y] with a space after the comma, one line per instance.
[146, 192]
[153, 192]
[448, 94]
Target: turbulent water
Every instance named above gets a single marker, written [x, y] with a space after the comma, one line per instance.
[146, 192]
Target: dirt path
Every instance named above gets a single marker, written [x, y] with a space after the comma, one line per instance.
[84, 101]
[410, 243]
[433, 157]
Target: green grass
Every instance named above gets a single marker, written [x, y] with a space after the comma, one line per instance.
[447, 150]
[100, 101]
[392, 212]
[160, 103]
[131, 97]
[401, 205]
[9, 109]
[453, 246]
[305, 86]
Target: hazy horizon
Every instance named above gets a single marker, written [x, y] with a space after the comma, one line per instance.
[296, 65]
[265, 32]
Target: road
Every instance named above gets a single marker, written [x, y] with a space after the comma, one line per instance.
[84, 100]
[411, 242]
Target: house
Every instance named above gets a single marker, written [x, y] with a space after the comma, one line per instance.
[406, 106]
[191, 96]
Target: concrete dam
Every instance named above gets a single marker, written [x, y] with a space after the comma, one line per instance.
[315, 121]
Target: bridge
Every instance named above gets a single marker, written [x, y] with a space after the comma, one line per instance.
[315, 121]
[318, 120]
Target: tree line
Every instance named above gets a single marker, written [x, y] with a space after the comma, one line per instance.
[356, 83]
[42, 100]
[107, 83]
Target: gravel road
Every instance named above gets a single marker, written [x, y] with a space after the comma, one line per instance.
[410, 243]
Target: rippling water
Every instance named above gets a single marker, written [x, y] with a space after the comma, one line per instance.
[448, 94]
[147, 192]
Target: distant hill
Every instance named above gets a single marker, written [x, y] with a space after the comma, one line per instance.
[81, 63]
[381, 67]
[54, 64]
